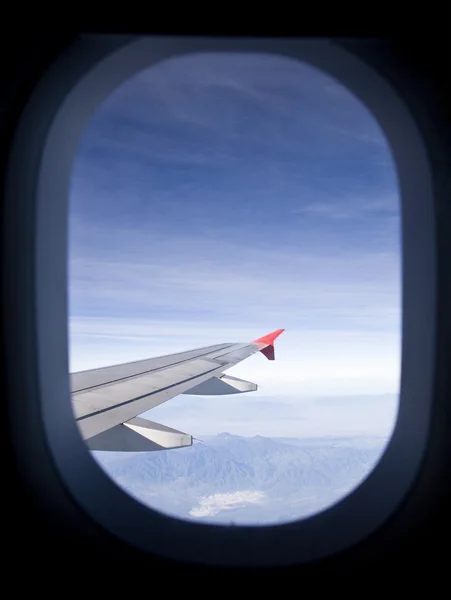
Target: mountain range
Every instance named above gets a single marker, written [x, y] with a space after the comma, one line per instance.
[234, 479]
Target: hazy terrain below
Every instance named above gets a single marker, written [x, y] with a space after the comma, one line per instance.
[246, 480]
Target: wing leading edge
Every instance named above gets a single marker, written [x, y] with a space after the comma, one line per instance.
[106, 401]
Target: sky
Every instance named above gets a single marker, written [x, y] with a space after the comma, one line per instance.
[218, 197]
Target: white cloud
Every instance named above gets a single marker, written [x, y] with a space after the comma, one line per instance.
[351, 206]
[211, 505]
[225, 281]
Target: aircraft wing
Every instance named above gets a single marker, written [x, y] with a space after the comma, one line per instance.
[106, 401]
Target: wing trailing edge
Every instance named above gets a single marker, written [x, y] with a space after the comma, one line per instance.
[139, 435]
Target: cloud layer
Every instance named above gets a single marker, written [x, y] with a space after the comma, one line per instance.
[281, 415]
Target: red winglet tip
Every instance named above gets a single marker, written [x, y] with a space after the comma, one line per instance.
[270, 337]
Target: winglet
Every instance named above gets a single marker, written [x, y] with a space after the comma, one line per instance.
[268, 341]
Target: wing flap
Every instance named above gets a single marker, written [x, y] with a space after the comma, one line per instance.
[221, 386]
[139, 435]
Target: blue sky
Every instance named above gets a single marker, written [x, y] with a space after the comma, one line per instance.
[217, 197]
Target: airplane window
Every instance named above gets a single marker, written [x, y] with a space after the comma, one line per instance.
[216, 197]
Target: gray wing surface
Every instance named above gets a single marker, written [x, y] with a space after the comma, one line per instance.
[107, 401]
